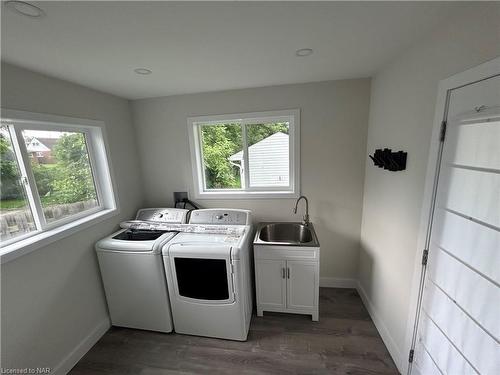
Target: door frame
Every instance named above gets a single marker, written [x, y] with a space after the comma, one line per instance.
[481, 72]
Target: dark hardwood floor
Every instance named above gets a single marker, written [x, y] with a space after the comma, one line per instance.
[344, 341]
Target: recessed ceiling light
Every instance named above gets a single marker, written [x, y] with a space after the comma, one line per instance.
[304, 52]
[24, 8]
[143, 71]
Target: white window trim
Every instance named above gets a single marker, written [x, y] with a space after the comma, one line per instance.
[292, 116]
[100, 162]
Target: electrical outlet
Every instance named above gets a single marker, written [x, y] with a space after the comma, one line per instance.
[180, 196]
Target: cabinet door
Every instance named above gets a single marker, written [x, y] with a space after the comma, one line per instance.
[302, 284]
[271, 283]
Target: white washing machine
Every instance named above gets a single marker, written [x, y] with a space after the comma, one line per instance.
[209, 275]
[133, 274]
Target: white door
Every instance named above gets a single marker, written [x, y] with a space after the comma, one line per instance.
[271, 283]
[459, 322]
[301, 276]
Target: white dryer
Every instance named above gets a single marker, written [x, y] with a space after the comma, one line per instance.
[133, 274]
[209, 275]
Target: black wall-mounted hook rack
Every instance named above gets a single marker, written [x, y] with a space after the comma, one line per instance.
[392, 161]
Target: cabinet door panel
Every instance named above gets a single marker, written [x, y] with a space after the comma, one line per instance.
[302, 284]
[271, 284]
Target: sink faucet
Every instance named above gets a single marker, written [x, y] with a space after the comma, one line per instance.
[306, 216]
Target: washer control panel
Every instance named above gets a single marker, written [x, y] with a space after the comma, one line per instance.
[219, 216]
[163, 215]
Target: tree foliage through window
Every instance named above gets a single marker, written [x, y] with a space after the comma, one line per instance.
[66, 179]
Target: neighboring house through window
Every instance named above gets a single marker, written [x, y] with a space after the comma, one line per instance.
[269, 161]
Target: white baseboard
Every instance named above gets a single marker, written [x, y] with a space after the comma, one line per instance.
[337, 282]
[382, 329]
[81, 349]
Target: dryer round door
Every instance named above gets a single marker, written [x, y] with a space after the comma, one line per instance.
[202, 273]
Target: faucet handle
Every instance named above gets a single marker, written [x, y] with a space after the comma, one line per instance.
[306, 220]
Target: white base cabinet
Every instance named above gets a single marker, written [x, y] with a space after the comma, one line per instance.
[287, 279]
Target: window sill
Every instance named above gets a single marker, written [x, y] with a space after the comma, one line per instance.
[42, 239]
[247, 195]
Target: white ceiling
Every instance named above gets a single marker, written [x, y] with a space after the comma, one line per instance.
[198, 47]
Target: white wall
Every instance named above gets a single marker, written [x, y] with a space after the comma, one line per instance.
[334, 119]
[52, 298]
[403, 99]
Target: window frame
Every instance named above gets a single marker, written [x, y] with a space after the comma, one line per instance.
[292, 116]
[99, 160]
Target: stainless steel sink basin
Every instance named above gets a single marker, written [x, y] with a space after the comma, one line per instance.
[290, 234]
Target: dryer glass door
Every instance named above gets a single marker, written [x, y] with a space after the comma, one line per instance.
[202, 279]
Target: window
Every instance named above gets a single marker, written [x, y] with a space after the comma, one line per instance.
[252, 155]
[53, 171]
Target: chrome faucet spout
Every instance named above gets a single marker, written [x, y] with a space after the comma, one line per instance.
[306, 216]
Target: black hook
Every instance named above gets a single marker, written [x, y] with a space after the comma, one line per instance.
[392, 161]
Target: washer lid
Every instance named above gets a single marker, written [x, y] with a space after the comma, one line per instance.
[139, 235]
[152, 246]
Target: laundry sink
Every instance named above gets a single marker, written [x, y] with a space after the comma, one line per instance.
[289, 234]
